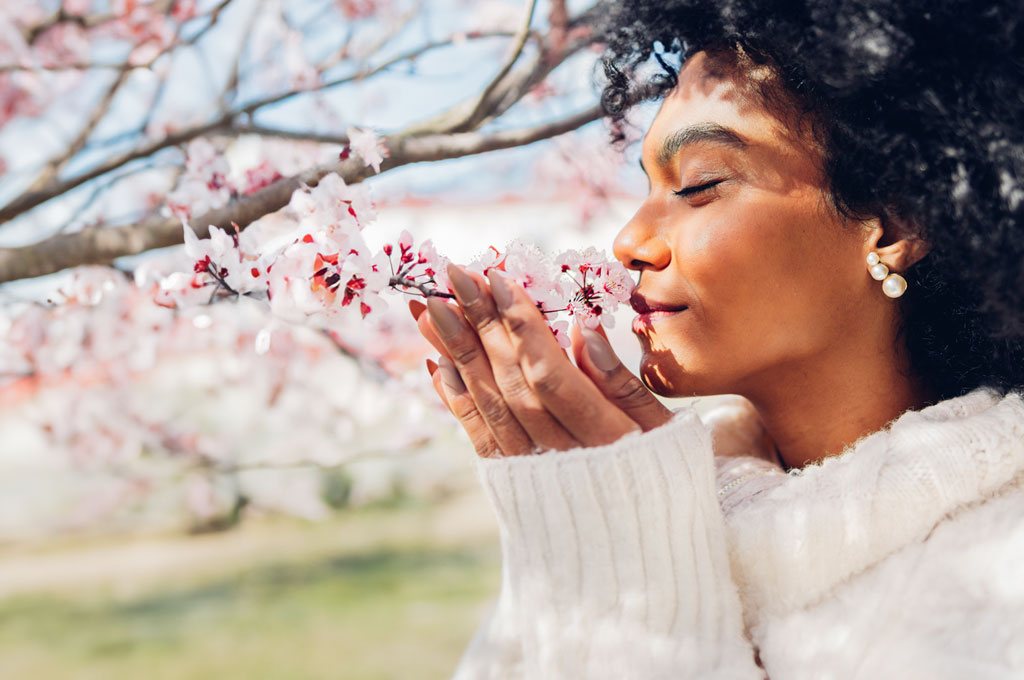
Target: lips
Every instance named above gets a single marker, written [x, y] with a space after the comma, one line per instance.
[648, 311]
[642, 305]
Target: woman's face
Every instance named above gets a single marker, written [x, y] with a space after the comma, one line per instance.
[758, 280]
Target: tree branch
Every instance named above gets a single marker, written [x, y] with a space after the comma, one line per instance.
[70, 66]
[45, 181]
[297, 135]
[408, 55]
[54, 167]
[507, 92]
[37, 196]
[98, 245]
[92, 22]
[30, 199]
[470, 123]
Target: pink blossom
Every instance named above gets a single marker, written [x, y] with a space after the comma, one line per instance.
[561, 332]
[494, 15]
[434, 264]
[204, 185]
[259, 177]
[77, 7]
[579, 262]
[327, 269]
[616, 281]
[369, 147]
[300, 73]
[262, 343]
[492, 258]
[360, 9]
[185, 10]
[18, 96]
[532, 269]
[329, 205]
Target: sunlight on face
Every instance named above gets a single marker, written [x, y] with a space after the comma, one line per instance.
[746, 274]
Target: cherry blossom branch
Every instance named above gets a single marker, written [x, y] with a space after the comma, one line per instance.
[214, 16]
[31, 199]
[408, 55]
[37, 196]
[521, 37]
[340, 54]
[71, 66]
[296, 135]
[97, 20]
[108, 183]
[53, 168]
[87, 21]
[511, 89]
[234, 77]
[101, 245]
[399, 282]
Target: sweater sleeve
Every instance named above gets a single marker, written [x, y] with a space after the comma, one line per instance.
[614, 565]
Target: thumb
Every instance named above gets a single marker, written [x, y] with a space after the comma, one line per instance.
[598, 360]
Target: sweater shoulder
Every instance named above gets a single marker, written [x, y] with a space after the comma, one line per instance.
[950, 606]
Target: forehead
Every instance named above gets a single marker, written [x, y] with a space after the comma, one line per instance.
[711, 104]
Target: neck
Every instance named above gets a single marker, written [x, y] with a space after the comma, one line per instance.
[812, 413]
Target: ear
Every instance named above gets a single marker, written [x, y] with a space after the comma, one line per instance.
[897, 240]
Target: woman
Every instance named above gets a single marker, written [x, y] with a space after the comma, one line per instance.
[834, 233]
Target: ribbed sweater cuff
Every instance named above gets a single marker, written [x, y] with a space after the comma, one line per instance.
[615, 561]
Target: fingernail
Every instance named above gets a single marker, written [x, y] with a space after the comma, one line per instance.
[464, 285]
[499, 288]
[450, 376]
[448, 324]
[601, 353]
[431, 367]
[416, 308]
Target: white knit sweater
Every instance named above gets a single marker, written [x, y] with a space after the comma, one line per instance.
[903, 557]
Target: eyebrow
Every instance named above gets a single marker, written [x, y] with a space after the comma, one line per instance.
[698, 133]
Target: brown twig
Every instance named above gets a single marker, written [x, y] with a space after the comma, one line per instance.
[400, 281]
[98, 245]
[471, 121]
[54, 167]
[35, 197]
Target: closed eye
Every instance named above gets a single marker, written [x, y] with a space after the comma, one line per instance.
[690, 191]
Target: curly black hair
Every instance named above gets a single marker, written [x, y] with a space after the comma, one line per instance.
[920, 114]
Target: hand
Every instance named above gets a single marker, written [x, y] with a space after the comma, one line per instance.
[510, 384]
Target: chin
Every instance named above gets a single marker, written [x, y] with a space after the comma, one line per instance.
[664, 376]
[654, 375]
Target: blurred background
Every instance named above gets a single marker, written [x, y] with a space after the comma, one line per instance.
[214, 492]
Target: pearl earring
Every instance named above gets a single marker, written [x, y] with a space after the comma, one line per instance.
[893, 285]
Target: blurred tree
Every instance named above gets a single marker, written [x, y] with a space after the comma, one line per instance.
[136, 81]
[121, 118]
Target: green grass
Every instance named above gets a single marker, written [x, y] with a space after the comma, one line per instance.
[385, 612]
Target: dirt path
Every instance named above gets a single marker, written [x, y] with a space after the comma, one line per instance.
[135, 565]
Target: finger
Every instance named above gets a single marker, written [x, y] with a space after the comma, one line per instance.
[435, 378]
[477, 305]
[576, 342]
[595, 356]
[464, 408]
[566, 392]
[426, 328]
[474, 367]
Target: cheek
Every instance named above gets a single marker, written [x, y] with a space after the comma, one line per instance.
[733, 260]
[764, 271]
[768, 285]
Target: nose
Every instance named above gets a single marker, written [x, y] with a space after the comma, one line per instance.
[640, 244]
